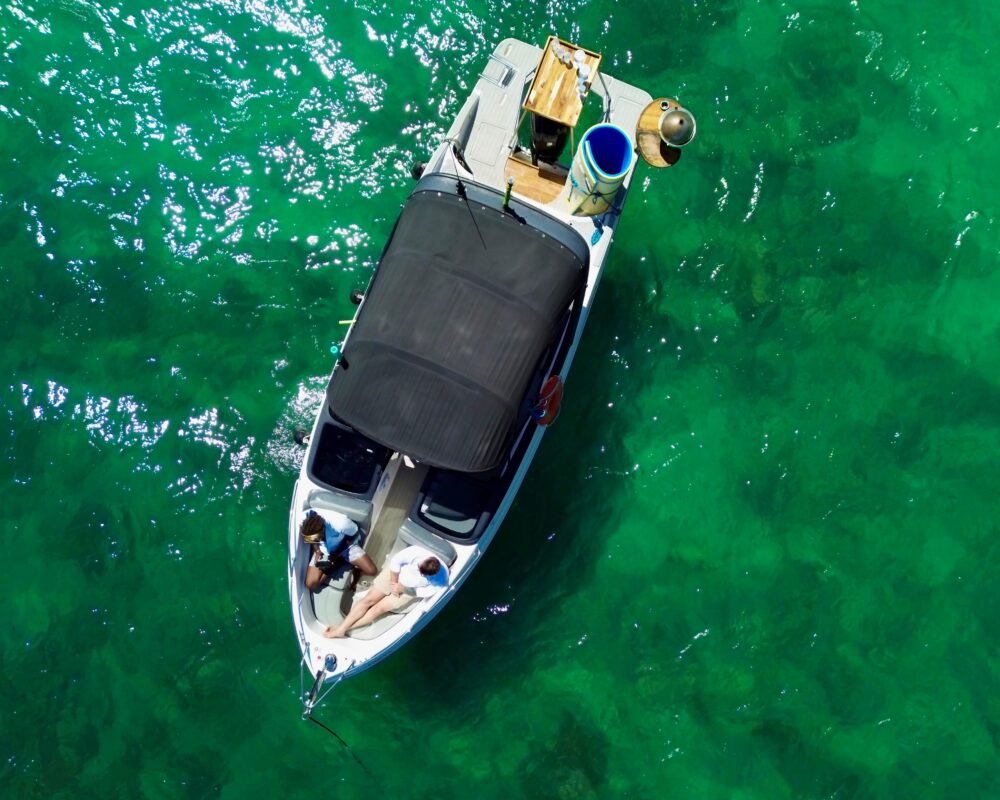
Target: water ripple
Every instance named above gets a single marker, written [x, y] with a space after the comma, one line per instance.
[122, 421]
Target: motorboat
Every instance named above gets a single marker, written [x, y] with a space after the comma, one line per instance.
[453, 366]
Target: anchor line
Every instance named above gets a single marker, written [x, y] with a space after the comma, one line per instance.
[347, 747]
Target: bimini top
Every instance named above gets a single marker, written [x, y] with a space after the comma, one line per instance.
[465, 302]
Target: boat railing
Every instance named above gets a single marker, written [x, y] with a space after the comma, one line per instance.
[507, 70]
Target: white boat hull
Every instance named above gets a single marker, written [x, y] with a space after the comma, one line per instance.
[494, 105]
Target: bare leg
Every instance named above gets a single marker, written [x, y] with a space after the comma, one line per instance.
[360, 608]
[366, 565]
[316, 579]
[381, 608]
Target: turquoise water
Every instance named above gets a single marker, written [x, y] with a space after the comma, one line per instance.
[755, 558]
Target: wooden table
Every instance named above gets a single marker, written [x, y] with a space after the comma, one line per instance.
[553, 93]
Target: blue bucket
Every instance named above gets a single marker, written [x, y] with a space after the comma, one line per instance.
[608, 151]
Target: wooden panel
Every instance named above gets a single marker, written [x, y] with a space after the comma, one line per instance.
[529, 182]
[553, 92]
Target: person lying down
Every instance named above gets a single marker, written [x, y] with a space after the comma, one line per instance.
[410, 575]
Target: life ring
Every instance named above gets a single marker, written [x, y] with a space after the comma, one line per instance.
[546, 407]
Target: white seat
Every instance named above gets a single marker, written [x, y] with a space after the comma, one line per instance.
[411, 533]
[356, 508]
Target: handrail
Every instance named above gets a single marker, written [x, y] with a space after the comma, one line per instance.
[509, 69]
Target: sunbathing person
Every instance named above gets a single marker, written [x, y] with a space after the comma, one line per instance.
[332, 538]
[411, 574]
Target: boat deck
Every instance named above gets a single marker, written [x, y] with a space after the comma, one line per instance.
[486, 127]
[332, 604]
[537, 183]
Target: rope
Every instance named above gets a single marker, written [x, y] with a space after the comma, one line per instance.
[607, 98]
[456, 157]
[458, 154]
[333, 733]
[590, 193]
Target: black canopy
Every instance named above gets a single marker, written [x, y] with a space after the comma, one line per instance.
[464, 303]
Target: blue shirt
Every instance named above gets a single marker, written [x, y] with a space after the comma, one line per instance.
[339, 529]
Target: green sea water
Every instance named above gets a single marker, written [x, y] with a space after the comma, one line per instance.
[757, 556]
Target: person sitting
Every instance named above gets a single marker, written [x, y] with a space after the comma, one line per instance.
[411, 574]
[332, 537]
